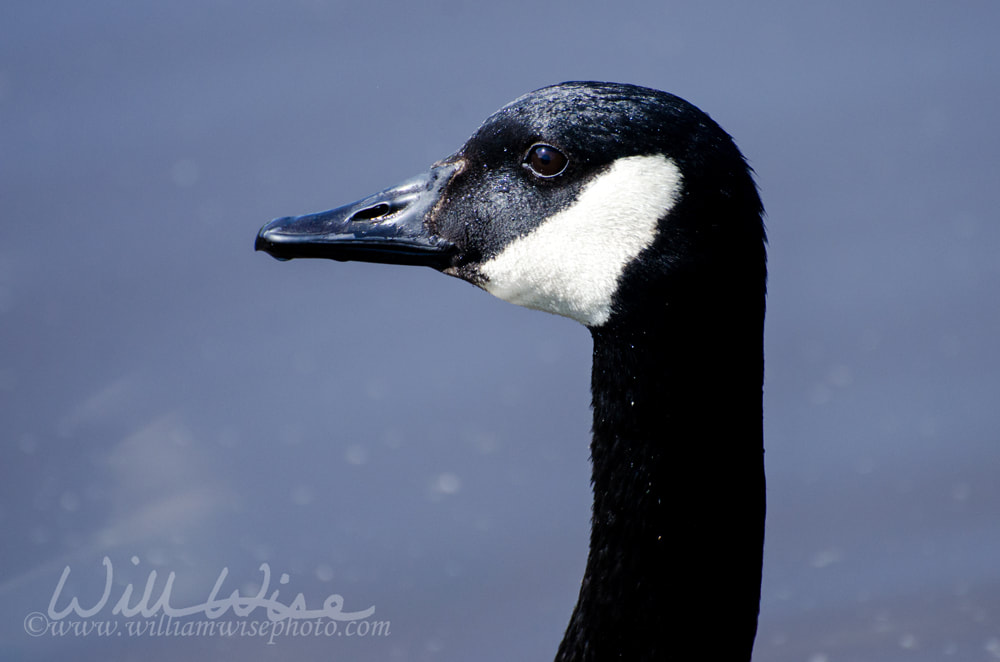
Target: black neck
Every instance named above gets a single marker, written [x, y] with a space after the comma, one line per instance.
[675, 556]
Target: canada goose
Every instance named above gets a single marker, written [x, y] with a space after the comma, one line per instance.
[632, 212]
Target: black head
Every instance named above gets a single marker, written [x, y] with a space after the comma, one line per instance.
[565, 200]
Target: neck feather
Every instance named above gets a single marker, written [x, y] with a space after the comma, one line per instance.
[675, 555]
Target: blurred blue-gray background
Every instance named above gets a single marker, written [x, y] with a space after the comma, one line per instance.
[177, 403]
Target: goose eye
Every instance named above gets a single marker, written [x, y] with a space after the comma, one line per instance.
[545, 160]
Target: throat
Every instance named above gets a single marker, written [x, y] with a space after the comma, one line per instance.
[674, 566]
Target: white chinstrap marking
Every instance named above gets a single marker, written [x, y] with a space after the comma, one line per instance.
[571, 263]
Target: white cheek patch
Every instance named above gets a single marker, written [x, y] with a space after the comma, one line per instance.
[570, 264]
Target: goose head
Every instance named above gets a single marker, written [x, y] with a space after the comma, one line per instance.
[558, 201]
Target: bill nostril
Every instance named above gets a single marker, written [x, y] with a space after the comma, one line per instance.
[371, 213]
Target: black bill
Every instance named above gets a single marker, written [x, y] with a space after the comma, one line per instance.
[388, 227]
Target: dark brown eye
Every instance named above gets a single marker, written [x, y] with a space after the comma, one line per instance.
[545, 160]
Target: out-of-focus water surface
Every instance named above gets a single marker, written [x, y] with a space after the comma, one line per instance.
[176, 403]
